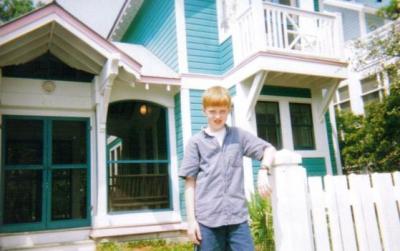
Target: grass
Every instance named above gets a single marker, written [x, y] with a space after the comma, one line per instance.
[144, 245]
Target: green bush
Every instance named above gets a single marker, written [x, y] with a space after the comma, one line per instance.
[261, 224]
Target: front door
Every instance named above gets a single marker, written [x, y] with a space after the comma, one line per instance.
[45, 173]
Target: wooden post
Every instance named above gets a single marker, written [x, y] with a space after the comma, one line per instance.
[291, 214]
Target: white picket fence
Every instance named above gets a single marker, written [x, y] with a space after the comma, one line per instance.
[355, 212]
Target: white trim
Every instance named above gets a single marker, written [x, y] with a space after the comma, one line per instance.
[186, 116]
[320, 137]
[181, 35]
[363, 23]
[327, 99]
[173, 168]
[254, 92]
[125, 219]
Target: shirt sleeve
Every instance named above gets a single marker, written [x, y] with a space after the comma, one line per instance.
[191, 160]
[253, 146]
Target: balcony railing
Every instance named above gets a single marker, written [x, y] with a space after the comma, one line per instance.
[369, 50]
[287, 29]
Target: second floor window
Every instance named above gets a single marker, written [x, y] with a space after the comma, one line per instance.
[371, 89]
[342, 99]
[302, 126]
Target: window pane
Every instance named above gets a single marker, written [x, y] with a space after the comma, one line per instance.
[69, 142]
[369, 84]
[268, 122]
[24, 142]
[343, 93]
[138, 129]
[345, 106]
[302, 126]
[68, 194]
[138, 186]
[22, 196]
[372, 97]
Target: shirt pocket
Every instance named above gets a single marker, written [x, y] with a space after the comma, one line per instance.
[234, 155]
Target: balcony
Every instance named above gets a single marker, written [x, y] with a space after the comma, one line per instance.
[287, 30]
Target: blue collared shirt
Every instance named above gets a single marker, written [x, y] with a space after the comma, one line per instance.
[219, 194]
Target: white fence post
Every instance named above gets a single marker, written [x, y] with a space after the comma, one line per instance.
[291, 214]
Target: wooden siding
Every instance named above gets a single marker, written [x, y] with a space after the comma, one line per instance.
[351, 24]
[179, 150]
[155, 28]
[196, 111]
[330, 142]
[314, 166]
[205, 54]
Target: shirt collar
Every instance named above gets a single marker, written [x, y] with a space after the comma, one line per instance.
[203, 129]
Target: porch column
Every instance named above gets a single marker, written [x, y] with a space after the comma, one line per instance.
[103, 88]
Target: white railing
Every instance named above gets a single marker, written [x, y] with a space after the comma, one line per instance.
[355, 212]
[367, 51]
[282, 28]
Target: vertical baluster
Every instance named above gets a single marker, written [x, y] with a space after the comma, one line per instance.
[274, 29]
[269, 28]
[279, 17]
[285, 31]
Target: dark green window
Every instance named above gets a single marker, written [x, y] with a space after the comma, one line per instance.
[302, 126]
[46, 173]
[268, 122]
[138, 163]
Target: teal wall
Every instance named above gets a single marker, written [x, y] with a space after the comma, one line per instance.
[179, 149]
[286, 91]
[205, 54]
[328, 124]
[155, 28]
[196, 111]
[314, 166]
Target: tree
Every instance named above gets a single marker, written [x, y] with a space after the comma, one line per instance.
[10, 9]
[372, 142]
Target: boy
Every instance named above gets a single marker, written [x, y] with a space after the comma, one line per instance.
[213, 170]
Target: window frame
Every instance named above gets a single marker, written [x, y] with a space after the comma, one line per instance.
[47, 168]
[166, 161]
[312, 130]
[278, 126]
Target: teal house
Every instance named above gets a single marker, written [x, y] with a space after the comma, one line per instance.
[96, 109]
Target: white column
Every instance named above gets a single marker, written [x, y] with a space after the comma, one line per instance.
[100, 212]
[186, 118]
[291, 217]
[242, 92]
[357, 104]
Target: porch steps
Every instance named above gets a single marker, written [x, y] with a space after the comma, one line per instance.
[85, 245]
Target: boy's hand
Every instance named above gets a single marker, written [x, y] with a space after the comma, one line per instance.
[263, 186]
[194, 232]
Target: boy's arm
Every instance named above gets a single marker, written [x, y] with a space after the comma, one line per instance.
[193, 227]
[263, 186]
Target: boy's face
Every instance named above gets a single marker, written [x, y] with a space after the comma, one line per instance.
[216, 116]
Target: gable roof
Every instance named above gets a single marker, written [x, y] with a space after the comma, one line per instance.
[53, 29]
